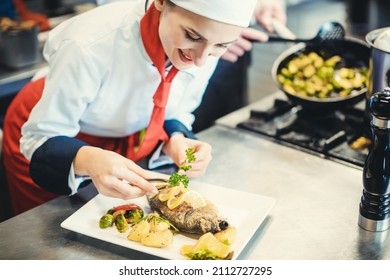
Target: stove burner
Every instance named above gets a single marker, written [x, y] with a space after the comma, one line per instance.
[329, 135]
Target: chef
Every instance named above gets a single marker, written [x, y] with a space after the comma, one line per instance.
[122, 81]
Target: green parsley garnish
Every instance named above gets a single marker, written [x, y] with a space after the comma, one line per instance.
[176, 178]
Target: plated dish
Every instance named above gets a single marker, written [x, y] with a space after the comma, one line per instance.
[246, 211]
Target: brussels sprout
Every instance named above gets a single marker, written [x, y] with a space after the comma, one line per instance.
[280, 78]
[292, 67]
[357, 82]
[286, 73]
[134, 216]
[313, 56]
[110, 211]
[121, 223]
[106, 221]
[344, 72]
[310, 75]
[309, 71]
[318, 62]
[289, 89]
[332, 61]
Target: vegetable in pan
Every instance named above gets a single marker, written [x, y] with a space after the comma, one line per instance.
[310, 75]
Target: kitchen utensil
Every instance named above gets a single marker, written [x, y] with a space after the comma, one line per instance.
[379, 69]
[354, 53]
[379, 74]
[159, 182]
[375, 202]
[329, 31]
[19, 47]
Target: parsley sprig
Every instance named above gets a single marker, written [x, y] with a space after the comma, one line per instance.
[175, 179]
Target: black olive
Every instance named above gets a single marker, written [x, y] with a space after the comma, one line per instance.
[223, 225]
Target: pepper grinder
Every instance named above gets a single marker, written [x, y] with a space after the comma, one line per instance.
[374, 207]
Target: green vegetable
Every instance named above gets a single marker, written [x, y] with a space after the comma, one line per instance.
[202, 254]
[190, 154]
[309, 75]
[134, 216]
[175, 179]
[121, 223]
[106, 221]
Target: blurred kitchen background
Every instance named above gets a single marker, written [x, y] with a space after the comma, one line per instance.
[304, 19]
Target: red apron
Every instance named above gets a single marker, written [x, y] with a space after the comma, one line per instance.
[24, 193]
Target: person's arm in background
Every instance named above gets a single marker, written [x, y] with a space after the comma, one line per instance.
[266, 11]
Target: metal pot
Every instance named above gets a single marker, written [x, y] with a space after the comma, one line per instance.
[354, 52]
[19, 48]
[379, 74]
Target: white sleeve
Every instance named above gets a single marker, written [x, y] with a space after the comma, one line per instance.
[71, 84]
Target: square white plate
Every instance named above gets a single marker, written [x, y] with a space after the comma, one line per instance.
[243, 210]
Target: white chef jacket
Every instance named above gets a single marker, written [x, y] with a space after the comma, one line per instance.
[101, 81]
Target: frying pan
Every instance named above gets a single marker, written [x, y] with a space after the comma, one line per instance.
[354, 53]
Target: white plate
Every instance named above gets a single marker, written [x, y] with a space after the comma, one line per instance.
[246, 211]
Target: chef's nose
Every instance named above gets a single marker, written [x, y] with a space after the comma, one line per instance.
[201, 55]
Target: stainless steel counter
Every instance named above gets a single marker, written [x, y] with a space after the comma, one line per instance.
[315, 215]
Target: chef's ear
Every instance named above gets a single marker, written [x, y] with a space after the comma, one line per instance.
[159, 4]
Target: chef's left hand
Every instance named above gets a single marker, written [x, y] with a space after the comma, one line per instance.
[265, 12]
[176, 147]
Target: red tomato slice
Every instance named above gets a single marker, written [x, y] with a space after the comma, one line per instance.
[127, 207]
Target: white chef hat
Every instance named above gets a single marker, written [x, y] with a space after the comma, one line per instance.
[236, 12]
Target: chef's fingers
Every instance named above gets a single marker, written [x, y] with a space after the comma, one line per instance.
[136, 181]
[123, 190]
[202, 151]
[203, 157]
[137, 177]
[198, 169]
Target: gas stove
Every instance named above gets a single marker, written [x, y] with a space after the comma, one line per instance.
[339, 136]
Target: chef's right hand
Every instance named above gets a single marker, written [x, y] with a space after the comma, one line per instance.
[112, 174]
[177, 145]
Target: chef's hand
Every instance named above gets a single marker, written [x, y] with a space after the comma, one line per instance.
[265, 12]
[112, 174]
[176, 147]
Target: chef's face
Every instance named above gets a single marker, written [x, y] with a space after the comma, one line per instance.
[189, 39]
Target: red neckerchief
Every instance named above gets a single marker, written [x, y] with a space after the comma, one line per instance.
[150, 37]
